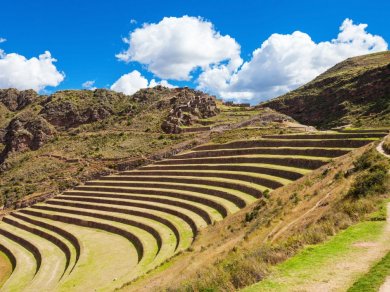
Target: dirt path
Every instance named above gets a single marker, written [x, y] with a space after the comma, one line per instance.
[379, 148]
[335, 265]
[343, 273]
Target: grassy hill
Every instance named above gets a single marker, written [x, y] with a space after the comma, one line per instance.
[355, 91]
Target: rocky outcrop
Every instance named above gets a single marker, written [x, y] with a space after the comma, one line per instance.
[26, 132]
[67, 115]
[16, 100]
[71, 108]
[188, 106]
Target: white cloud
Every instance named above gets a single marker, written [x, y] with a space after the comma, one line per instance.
[89, 85]
[164, 83]
[130, 83]
[36, 73]
[133, 21]
[284, 62]
[174, 47]
[2, 40]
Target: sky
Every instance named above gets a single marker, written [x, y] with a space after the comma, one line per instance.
[245, 51]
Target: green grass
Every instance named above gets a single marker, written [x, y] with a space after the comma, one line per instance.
[5, 268]
[25, 268]
[310, 263]
[377, 275]
[190, 174]
[261, 155]
[273, 166]
[214, 214]
[202, 184]
[53, 259]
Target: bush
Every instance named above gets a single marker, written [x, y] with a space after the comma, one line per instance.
[367, 160]
[369, 183]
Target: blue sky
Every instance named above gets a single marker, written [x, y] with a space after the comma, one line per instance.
[85, 36]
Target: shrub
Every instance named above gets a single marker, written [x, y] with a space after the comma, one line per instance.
[367, 160]
[369, 183]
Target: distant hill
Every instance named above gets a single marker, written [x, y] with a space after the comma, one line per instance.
[355, 91]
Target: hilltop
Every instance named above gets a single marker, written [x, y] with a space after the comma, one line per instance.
[354, 92]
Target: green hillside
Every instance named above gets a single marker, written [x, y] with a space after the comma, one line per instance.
[355, 92]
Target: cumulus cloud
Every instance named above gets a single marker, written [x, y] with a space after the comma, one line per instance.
[175, 47]
[36, 73]
[2, 40]
[132, 82]
[89, 85]
[164, 83]
[284, 62]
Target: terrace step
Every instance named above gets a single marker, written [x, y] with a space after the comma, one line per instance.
[156, 230]
[21, 214]
[194, 220]
[268, 169]
[219, 187]
[24, 268]
[151, 254]
[260, 181]
[318, 151]
[127, 199]
[327, 136]
[96, 257]
[50, 236]
[134, 214]
[297, 161]
[219, 199]
[333, 143]
[383, 131]
[49, 257]
[98, 224]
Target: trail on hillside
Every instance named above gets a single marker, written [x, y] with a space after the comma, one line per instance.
[340, 274]
[332, 269]
[380, 149]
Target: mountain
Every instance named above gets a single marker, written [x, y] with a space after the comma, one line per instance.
[355, 91]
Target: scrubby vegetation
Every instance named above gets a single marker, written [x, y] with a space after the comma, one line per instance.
[373, 177]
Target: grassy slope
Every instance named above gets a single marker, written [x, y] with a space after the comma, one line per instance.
[354, 91]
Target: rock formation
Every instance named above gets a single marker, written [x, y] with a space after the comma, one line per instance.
[187, 107]
[16, 100]
[26, 132]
